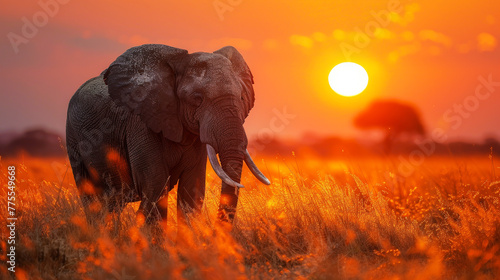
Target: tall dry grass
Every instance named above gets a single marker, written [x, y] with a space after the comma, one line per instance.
[352, 219]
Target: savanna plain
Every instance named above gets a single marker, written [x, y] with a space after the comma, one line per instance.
[345, 218]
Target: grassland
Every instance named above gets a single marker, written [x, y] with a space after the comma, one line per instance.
[320, 219]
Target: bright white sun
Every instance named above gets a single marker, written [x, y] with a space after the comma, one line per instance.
[348, 79]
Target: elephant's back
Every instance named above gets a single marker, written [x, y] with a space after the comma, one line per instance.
[91, 108]
[92, 93]
[92, 102]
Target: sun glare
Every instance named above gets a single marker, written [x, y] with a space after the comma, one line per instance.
[348, 79]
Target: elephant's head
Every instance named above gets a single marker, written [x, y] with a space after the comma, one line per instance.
[207, 95]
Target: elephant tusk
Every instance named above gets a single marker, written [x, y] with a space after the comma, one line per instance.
[212, 157]
[255, 170]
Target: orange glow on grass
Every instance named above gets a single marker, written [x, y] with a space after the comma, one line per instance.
[225, 200]
[21, 274]
[112, 156]
[286, 228]
[140, 219]
[87, 188]
[93, 173]
[163, 203]
[115, 160]
[95, 207]
[79, 221]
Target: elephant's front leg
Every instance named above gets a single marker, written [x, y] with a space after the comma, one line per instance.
[153, 206]
[150, 173]
[191, 188]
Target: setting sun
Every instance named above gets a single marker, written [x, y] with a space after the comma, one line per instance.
[348, 79]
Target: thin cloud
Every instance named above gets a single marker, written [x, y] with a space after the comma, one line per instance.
[383, 34]
[435, 37]
[301, 40]
[399, 44]
[319, 36]
[486, 42]
[404, 50]
[408, 16]
[339, 34]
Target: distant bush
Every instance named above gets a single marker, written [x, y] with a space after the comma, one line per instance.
[36, 143]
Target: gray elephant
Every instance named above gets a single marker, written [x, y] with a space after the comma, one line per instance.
[149, 121]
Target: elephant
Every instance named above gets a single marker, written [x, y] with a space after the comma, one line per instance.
[149, 121]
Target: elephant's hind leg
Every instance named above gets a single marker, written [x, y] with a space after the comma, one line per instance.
[92, 205]
[99, 195]
[86, 189]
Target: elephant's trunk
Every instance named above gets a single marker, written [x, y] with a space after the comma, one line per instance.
[212, 156]
[229, 140]
[225, 135]
[233, 164]
[230, 183]
[231, 145]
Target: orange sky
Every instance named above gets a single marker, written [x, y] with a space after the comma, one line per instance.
[428, 53]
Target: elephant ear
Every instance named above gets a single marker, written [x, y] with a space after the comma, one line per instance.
[241, 68]
[143, 80]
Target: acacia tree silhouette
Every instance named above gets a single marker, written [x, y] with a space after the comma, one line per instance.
[395, 118]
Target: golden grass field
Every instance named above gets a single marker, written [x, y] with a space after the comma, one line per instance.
[320, 219]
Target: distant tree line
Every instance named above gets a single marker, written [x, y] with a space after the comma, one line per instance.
[34, 142]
